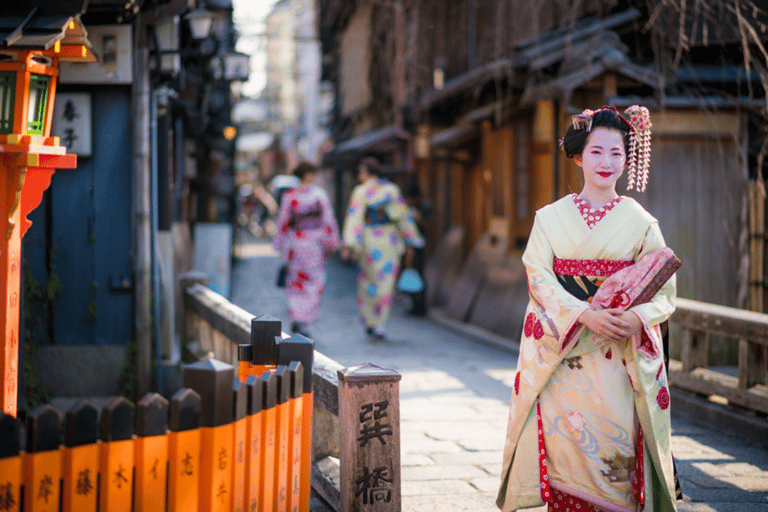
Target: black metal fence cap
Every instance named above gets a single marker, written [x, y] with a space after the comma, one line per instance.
[239, 399]
[81, 424]
[283, 384]
[43, 429]
[269, 390]
[298, 348]
[116, 420]
[151, 415]
[255, 394]
[10, 436]
[264, 329]
[212, 379]
[244, 352]
[185, 410]
[296, 369]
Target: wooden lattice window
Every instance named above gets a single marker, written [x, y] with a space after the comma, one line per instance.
[38, 101]
[7, 96]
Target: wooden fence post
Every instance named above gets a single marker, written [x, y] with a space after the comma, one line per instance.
[694, 349]
[268, 435]
[151, 453]
[212, 380]
[283, 431]
[42, 462]
[253, 442]
[240, 428]
[81, 458]
[184, 451]
[296, 372]
[369, 439]
[302, 349]
[116, 456]
[753, 364]
[10, 462]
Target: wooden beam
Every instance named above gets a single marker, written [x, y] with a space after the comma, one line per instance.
[716, 319]
[707, 382]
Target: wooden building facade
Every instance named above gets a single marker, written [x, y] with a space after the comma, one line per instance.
[486, 89]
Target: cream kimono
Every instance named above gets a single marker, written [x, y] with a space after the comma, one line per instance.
[378, 227]
[596, 399]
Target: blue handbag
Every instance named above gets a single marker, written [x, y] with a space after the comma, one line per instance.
[410, 281]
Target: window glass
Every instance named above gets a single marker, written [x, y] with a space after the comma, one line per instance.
[7, 92]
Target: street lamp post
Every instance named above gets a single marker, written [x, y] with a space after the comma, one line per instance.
[28, 158]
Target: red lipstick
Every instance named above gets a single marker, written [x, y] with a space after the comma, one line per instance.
[605, 174]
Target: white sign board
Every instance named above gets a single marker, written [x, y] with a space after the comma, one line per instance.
[72, 122]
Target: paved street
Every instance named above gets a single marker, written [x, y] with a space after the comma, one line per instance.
[453, 400]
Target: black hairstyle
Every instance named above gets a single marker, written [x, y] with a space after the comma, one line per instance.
[372, 165]
[303, 169]
[575, 139]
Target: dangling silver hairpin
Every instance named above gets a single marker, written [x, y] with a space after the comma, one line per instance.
[583, 121]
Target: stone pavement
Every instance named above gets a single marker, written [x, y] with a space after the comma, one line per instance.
[453, 401]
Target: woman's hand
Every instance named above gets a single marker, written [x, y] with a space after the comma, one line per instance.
[612, 324]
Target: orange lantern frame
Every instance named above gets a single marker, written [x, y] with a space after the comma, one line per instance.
[27, 163]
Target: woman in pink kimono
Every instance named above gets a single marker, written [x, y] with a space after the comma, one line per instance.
[307, 234]
[589, 422]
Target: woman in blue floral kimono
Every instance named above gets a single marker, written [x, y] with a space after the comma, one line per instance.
[589, 421]
[307, 234]
[378, 228]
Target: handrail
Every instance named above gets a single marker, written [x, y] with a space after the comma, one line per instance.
[698, 320]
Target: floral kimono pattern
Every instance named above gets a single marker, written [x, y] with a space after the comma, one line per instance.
[589, 420]
[307, 234]
[378, 226]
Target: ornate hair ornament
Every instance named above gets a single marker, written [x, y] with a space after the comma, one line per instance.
[639, 122]
[639, 147]
[583, 121]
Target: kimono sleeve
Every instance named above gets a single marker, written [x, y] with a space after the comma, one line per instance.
[283, 224]
[399, 211]
[552, 307]
[330, 228]
[354, 221]
[662, 305]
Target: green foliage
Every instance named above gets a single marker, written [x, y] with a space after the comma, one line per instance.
[128, 382]
[38, 299]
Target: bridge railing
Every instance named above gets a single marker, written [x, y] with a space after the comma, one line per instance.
[699, 320]
[217, 327]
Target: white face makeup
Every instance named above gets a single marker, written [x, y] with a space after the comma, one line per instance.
[603, 159]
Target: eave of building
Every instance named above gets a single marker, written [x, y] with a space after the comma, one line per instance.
[53, 35]
[460, 84]
[381, 140]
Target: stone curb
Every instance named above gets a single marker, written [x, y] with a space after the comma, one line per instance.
[716, 416]
[474, 332]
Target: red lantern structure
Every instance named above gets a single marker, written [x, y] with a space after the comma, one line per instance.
[29, 66]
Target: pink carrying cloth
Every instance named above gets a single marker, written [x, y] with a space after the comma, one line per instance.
[632, 285]
[638, 283]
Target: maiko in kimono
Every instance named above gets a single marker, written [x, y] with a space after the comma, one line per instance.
[589, 421]
[378, 229]
[307, 234]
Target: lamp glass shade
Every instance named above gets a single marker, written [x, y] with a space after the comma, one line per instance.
[237, 66]
[200, 22]
[7, 93]
[38, 99]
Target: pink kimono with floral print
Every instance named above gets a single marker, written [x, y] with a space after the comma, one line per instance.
[307, 234]
[588, 419]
